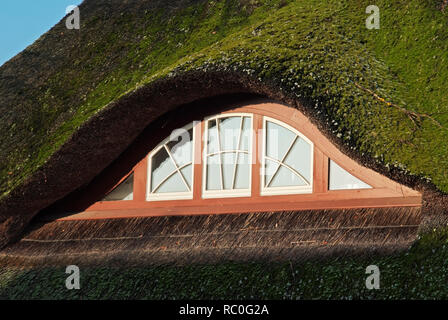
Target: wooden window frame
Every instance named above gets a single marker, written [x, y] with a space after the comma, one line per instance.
[384, 192]
[233, 193]
[272, 191]
[186, 195]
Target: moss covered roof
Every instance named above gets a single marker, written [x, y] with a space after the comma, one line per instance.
[382, 93]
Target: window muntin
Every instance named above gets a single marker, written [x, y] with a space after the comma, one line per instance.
[340, 179]
[287, 161]
[227, 156]
[124, 191]
[170, 167]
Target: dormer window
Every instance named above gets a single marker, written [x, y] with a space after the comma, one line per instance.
[262, 157]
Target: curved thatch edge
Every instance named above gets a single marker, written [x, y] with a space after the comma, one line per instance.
[66, 169]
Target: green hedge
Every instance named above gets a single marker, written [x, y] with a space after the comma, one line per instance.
[419, 273]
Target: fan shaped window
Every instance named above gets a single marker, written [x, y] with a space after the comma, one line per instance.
[170, 170]
[287, 159]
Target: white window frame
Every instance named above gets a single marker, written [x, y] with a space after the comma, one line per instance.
[208, 194]
[265, 191]
[182, 195]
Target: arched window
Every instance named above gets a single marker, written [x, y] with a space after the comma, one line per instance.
[170, 167]
[287, 159]
[227, 156]
[261, 157]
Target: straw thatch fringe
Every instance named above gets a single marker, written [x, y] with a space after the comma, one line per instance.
[214, 238]
[434, 210]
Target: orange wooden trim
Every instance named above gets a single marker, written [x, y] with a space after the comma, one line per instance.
[379, 197]
[197, 160]
[257, 150]
[140, 180]
[325, 173]
[120, 181]
[320, 172]
[248, 207]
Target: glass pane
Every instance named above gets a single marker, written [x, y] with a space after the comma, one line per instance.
[124, 191]
[213, 173]
[173, 184]
[229, 130]
[278, 140]
[187, 173]
[242, 177]
[212, 139]
[340, 179]
[299, 158]
[162, 166]
[247, 129]
[228, 166]
[181, 147]
[286, 178]
[270, 168]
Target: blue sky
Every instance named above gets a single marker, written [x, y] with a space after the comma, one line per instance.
[24, 21]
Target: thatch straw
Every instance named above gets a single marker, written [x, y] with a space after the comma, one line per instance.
[213, 238]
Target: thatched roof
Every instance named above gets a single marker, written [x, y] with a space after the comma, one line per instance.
[378, 94]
